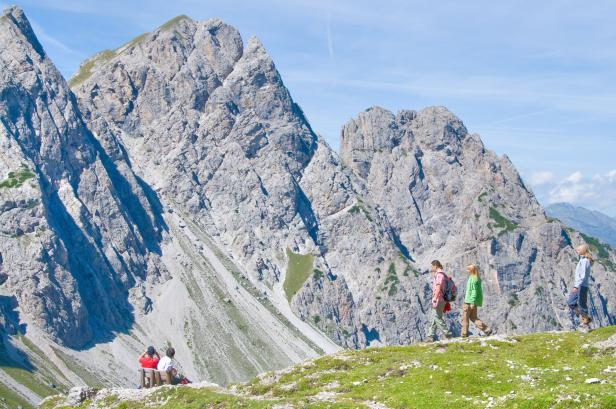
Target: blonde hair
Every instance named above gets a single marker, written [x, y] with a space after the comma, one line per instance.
[472, 269]
[584, 250]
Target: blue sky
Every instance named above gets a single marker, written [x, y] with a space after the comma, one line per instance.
[537, 80]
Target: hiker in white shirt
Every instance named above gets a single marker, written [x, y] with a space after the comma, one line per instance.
[168, 364]
[165, 364]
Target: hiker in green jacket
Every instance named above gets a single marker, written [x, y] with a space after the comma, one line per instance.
[473, 299]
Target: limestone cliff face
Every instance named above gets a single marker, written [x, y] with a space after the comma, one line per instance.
[213, 129]
[76, 226]
[94, 264]
[447, 197]
[180, 196]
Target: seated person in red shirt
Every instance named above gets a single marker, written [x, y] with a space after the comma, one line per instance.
[149, 359]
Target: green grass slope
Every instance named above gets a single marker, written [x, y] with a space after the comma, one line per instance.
[547, 370]
[17, 178]
[39, 375]
[298, 271]
[10, 399]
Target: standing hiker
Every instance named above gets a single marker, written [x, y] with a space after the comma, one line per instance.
[472, 300]
[578, 297]
[439, 283]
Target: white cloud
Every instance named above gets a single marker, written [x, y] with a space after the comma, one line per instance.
[541, 178]
[575, 177]
[571, 193]
[597, 192]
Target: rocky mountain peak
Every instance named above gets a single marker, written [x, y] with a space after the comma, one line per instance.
[16, 18]
[437, 128]
[372, 131]
[235, 152]
[447, 197]
[429, 151]
[206, 72]
[170, 46]
[180, 196]
[377, 130]
[81, 219]
[26, 70]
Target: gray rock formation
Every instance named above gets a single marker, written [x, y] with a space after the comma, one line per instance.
[92, 262]
[187, 201]
[589, 222]
[234, 152]
[75, 223]
[215, 131]
[447, 197]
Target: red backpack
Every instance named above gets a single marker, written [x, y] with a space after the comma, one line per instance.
[450, 291]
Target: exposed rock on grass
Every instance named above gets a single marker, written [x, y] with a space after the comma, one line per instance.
[529, 372]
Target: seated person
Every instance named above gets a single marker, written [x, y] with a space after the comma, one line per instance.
[149, 359]
[168, 364]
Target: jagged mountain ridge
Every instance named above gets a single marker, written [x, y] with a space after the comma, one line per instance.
[92, 261]
[360, 293]
[78, 211]
[244, 188]
[237, 154]
[448, 197]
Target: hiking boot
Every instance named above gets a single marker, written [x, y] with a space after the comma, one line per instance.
[488, 332]
[586, 319]
[447, 336]
[464, 336]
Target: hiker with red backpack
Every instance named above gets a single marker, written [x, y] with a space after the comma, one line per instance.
[472, 300]
[443, 292]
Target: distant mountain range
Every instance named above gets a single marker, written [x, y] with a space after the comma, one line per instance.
[589, 222]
